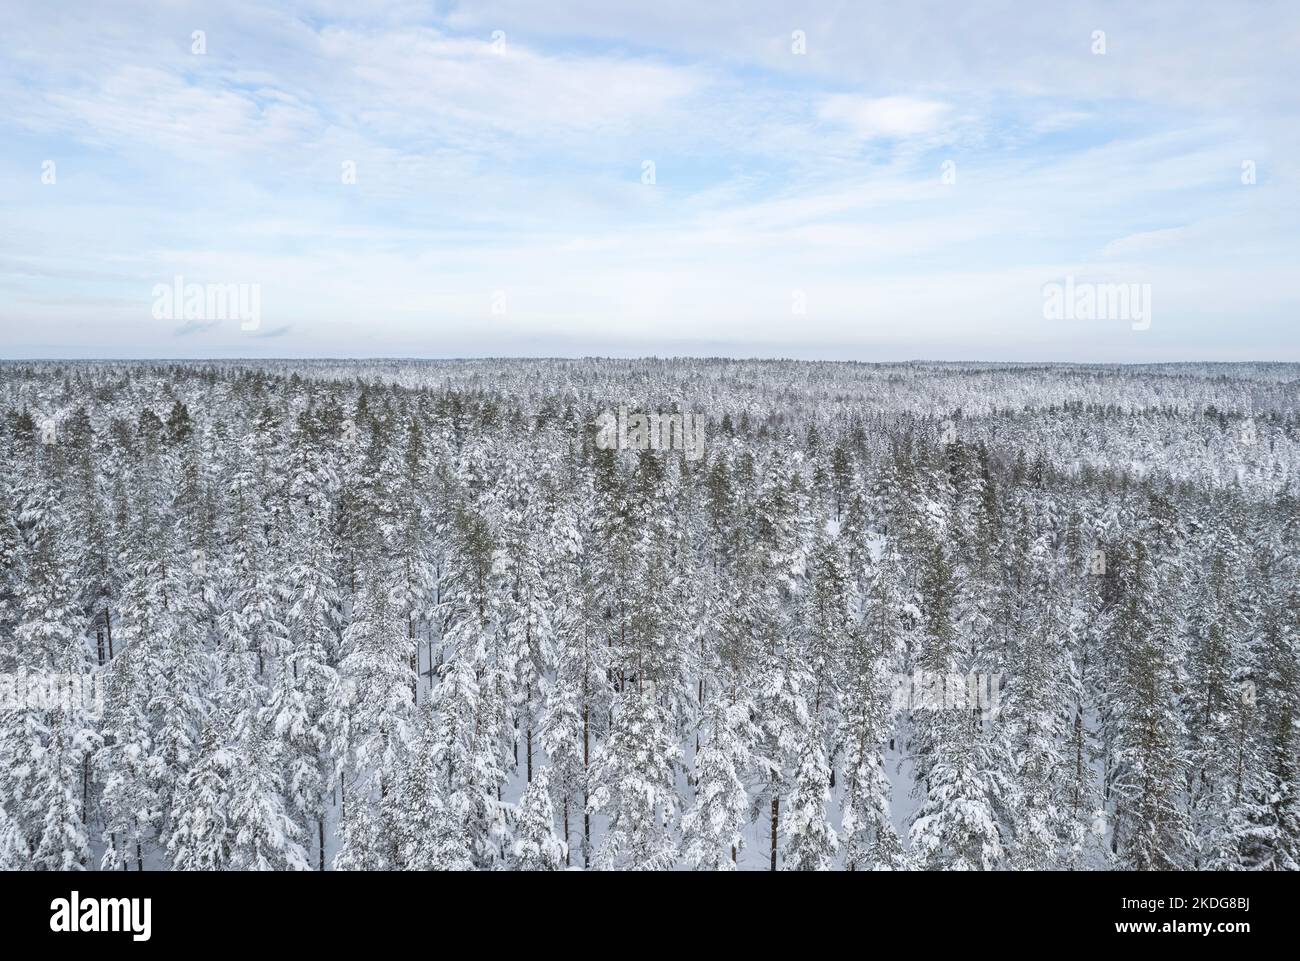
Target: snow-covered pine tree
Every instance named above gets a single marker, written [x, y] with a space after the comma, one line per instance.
[713, 828]
[636, 787]
[14, 854]
[535, 847]
[264, 837]
[957, 825]
[133, 772]
[872, 655]
[201, 837]
[567, 704]
[373, 713]
[306, 699]
[811, 842]
[64, 844]
[1151, 816]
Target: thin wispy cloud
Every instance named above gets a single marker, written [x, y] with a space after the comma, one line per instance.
[883, 117]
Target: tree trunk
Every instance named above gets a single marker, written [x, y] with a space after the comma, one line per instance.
[85, 790]
[566, 830]
[586, 812]
[415, 660]
[776, 817]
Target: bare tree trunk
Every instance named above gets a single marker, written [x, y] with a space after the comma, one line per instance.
[415, 660]
[776, 817]
[566, 830]
[437, 605]
[586, 800]
[1078, 756]
[700, 705]
[85, 793]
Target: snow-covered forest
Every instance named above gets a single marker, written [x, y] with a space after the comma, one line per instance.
[408, 614]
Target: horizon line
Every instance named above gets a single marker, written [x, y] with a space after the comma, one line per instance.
[412, 358]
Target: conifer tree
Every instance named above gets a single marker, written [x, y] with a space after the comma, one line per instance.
[64, 844]
[811, 842]
[635, 786]
[874, 648]
[536, 848]
[1149, 728]
[713, 828]
[201, 836]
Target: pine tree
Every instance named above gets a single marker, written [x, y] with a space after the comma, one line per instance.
[873, 649]
[467, 760]
[1036, 719]
[64, 844]
[1149, 727]
[635, 786]
[1272, 804]
[562, 731]
[377, 676]
[826, 626]
[305, 702]
[783, 710]
[424, 832]
[536, 848]
[713, 829]
[201, 837]
[14, 855]
[957, 825]
[811, 842]
[134, 773]
[263, 835]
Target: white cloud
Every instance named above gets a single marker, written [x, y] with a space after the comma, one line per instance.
[425, 83]
[1148, 240]
[889, 117]
[145, 106]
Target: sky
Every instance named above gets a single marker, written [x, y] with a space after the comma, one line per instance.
[838, 180]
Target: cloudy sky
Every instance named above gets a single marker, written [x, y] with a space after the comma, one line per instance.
[874, 181]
